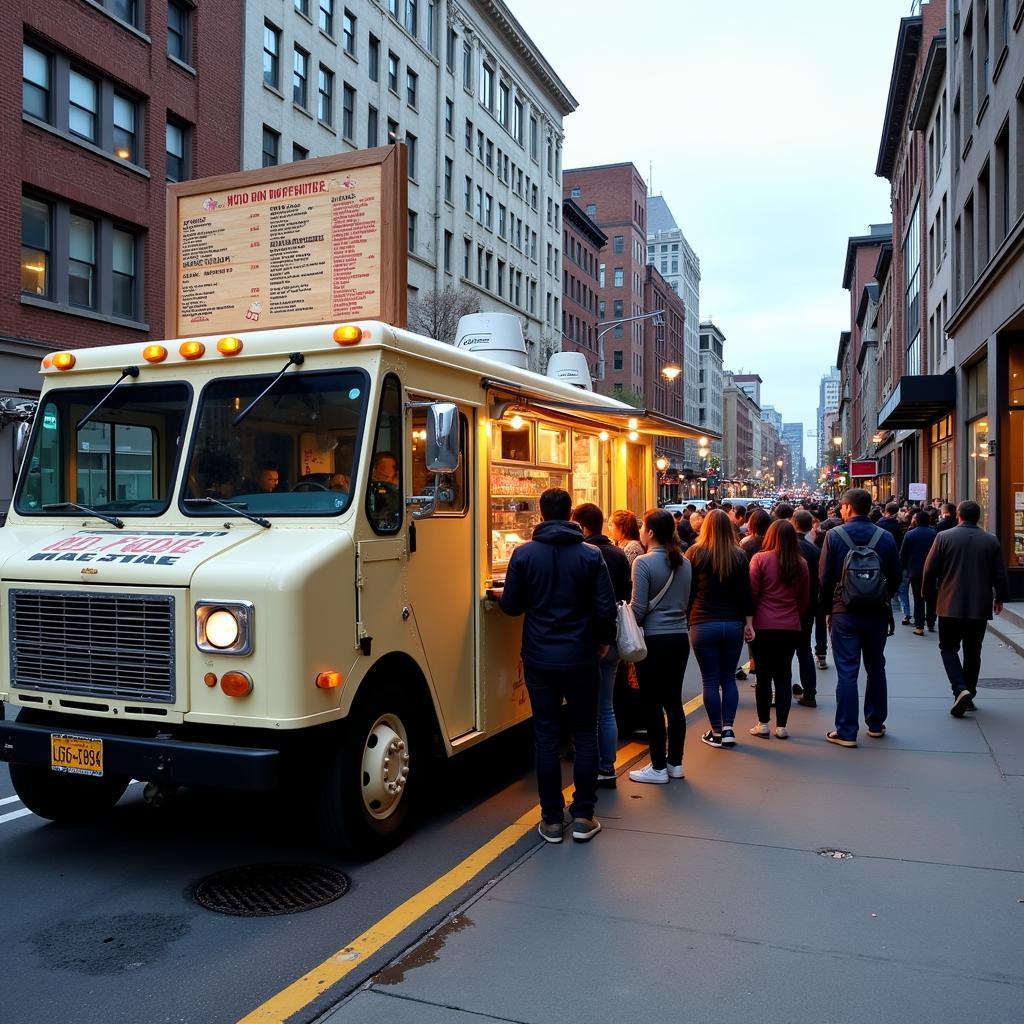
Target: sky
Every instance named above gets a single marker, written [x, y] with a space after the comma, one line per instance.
[761, 122]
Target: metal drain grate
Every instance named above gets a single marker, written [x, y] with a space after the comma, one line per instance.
[266, 890]
[834, 854]
[1001, 684]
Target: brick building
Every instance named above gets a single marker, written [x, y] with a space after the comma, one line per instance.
[116, 99]
[582, 244]
[614, 196]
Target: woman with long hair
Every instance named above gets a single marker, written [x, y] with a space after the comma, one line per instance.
[720, 619]
[661, 593]
[625, 533]
[779, 582]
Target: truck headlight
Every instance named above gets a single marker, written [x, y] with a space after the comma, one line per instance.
[224, 627]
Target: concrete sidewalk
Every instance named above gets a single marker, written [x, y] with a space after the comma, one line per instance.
[707, 899]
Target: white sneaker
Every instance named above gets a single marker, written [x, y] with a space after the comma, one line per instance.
[760, 729]
[675, 771]
[650, 774]
[782, 732]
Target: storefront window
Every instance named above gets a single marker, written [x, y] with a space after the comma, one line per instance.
[552, 445]
[512, 440]
[1014, 543]
[941, 441]
[977, 438]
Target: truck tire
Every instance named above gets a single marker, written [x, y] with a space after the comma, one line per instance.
[374, 773]
[69, 799]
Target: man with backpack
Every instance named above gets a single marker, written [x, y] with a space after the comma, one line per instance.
[859, 573]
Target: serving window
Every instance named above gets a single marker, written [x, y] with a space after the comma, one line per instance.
[559, 457]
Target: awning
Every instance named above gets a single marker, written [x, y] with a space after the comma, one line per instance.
[918, 401]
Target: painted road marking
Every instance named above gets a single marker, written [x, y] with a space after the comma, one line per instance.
[11, 815]
[312, 985]
[10, 800]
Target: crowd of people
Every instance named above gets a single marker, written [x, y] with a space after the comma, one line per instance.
[713, 580]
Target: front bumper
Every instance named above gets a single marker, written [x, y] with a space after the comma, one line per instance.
[152, 759]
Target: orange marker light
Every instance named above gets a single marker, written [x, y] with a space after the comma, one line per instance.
[47, 362]
[236, 684]
[154, 353]
[210, 679]
[229, 346]
[348, 335]
[328, 680]
[63, 360]
[191, 349]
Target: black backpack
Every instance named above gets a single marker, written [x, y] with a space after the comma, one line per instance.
[862, 587]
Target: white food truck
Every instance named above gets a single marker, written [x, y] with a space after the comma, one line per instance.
[263, 561]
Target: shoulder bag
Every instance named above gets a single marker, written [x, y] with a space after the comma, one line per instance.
[629, 635]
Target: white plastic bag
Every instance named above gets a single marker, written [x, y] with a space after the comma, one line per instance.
[629, 636]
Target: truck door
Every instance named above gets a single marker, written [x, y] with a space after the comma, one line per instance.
[441, 573]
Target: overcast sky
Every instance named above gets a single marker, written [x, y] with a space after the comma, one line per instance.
[762, 122]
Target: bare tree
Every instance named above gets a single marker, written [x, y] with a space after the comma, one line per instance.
[436, 313]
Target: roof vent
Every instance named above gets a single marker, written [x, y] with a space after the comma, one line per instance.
[497, 336]
[571, 368]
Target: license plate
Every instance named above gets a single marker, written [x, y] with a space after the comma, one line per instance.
[76, 755]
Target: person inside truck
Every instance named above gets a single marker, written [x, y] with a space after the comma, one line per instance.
[266, 479]
[384, 498]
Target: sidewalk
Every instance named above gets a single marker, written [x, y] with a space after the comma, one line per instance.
[706, 899]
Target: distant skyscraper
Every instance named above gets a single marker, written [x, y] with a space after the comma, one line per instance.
[793, 435]
[828, 406]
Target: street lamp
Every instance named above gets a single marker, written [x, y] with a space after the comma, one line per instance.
[661, 463]
[656, 315]
[670, 371]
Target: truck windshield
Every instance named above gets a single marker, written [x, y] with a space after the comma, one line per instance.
[294, 454]
[123, 461]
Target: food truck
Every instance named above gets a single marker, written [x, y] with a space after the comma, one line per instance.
[263, 560]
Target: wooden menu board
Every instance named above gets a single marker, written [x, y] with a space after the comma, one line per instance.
[316, 241]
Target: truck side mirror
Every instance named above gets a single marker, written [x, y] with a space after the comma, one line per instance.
[442, 454]
[21, 436]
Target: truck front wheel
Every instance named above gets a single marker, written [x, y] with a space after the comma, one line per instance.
[374, 772]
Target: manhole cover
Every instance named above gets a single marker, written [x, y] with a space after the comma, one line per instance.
[1001, 684]
[834, 854]
[265, 890]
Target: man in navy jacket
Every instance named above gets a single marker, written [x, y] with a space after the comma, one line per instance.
[857, 635]
[563, 588]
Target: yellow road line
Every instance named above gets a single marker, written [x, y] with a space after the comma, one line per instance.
[310, 986]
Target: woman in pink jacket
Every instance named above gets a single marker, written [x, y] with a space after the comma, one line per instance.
[780, 585]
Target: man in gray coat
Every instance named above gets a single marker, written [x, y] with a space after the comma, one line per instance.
[966, 567]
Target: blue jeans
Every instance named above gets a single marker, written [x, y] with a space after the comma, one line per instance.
[857, 637]
[547, 687]
[717, 647]
[607, 730]
[904, 594]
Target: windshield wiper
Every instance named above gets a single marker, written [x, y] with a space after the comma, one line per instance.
[294, 359]
[106, 517]
[258, 520]
[128, 371]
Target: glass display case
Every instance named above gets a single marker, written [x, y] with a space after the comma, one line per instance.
[515, 507]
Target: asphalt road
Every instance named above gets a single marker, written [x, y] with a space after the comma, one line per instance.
[99, 924]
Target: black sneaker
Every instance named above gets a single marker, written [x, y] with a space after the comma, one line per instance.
[798, 690]
[606, 781]
[807, 702]
[728, 736]
[712, 740]
[963, 703]
[584, 829]
[905, 621]
[551, 831]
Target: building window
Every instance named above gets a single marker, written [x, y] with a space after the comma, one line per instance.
[83, 105]
[517, 121]
[348, 113]
[348, 33]
[299, 152]
[177, 154]
[431, 39]
[449, 50]
[392, 132]
[410, 146]
[468, 194]
[412, 231]
[469, 135]
[300, 76]
[124, 138]
[126, 10]
[503, 97]
[411, 87]
[466, 248]
[591, 210]
[373, 58]
[271, 147]
[467, 67]
[617, 359]
[449, 118]
[486, 85]
[618, 243]
[447, 252]
[271, 55]
[122, 294]
[371, 127]
[912, 268]
[179, 45]
[618, 278]
[326, 17]
[36, 247]
[325, 98]
[393, 73]
[411, 16]
[534, 138]
[35, 83]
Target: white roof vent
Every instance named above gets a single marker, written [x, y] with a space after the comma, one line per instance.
[497, 336]
[571, 368]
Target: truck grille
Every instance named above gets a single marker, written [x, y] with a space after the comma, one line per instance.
[118, 646]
